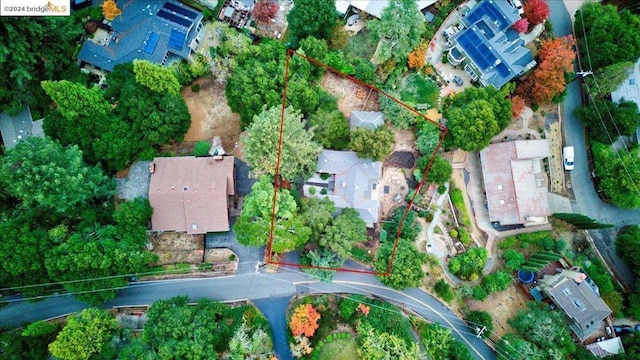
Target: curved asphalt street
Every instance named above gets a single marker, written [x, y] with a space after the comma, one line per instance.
[260, 287]
[586, 200]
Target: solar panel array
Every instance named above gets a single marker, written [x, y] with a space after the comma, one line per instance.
[176, 39]
[180, 10]
[174, 18]
[477, 50]
[489, 9]
[151, 42]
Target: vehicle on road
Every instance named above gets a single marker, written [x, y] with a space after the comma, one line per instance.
[458, 80]
[623, 329]
[567, 157]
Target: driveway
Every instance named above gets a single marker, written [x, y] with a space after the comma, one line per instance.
[587, 201]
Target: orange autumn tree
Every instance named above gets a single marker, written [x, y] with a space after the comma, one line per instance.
[517, 105]
[304, 320]
[416, 59]
[110, 10]
[547, 80]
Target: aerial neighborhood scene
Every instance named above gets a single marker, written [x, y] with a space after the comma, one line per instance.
[320, 179]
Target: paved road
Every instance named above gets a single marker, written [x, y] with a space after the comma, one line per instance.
[286, 283]
[587, 201]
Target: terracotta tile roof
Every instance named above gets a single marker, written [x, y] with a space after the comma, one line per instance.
[191, 194]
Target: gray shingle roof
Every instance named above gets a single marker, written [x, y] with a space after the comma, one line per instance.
[142, 22]
[356, 182]
[492, 45]
[366, 119]
[17, 128]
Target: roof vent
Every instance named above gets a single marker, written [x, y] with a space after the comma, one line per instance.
[185, 188]
[499, 187]
[501, 202]
[194, 226]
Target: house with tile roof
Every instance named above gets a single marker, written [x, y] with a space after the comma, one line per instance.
[159, 32]
[17, 128]
[349, 182]
[191, 194]
[579, 298]
[515, 182]
[366, 119]
[493, 53]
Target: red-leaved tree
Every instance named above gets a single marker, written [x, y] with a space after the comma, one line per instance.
[536, 11]
[304, 320]
[521, 25]
[517, 105]
[547, 80]
[264, 10]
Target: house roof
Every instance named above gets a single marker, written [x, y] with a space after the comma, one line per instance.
[356, 182]
[17, 128]
[515, 182]
[630, 88]
[366, 119]
[191, 194]
[606, 347]
[578, 300]
[374, 7]
[152, 31]
[495, 48]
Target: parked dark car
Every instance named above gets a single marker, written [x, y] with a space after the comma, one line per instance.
[623, 329]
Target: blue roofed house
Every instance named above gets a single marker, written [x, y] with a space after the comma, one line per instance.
[490, 49]
[349, 182]
[156, 31]
[17, 128]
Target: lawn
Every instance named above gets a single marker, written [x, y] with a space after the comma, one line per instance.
[340, 349]
[419, 90]
[361, 45]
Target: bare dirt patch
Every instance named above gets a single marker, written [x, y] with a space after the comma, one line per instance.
[351, 96]
[173, 248]
[219, 255]
[502, 306]
[211, 116]
[405, 140]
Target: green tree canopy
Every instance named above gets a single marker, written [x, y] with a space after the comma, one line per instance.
[86, 335]
[40, 172]
[325, 258]
[606, 121]
[254, 223]
[480, 319]
[257, 80]
[156, 77]
[439, 173]
[607, 79]
[406, 270]
[311, 18]
[410, 229]
[628, 246]
[299, 152]
[476, 115]
[377, 345]
[34, 49]
[317, 213]
[399, 29]
[610, 36]
[545, 328]
[514, 259]
[512, 346]
[619, 174]
[395, 113]
[469, 265]
[372, 144]
[427, 137]
[330, 128]
[346, 230]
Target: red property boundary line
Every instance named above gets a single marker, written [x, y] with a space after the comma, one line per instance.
[277, 183]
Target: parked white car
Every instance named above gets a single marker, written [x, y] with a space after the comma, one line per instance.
[567, 157]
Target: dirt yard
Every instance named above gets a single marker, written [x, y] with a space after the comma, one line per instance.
[351, 96]
[502, 306]
[173, 248]
[211, 116]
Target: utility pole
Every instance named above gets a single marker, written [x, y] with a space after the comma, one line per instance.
[480, 331]
[584, 73]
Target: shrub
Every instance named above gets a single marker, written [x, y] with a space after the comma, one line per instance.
[205, 266]
[479, 293]
[453, 233]
[323, 191]
[464, 236]
[201, 148]
[312, 190]
[443, 289]
[442, 189]
[324, 176]
[195, 88]
[349, 305]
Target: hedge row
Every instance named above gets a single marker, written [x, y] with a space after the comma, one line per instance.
[332, 337]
